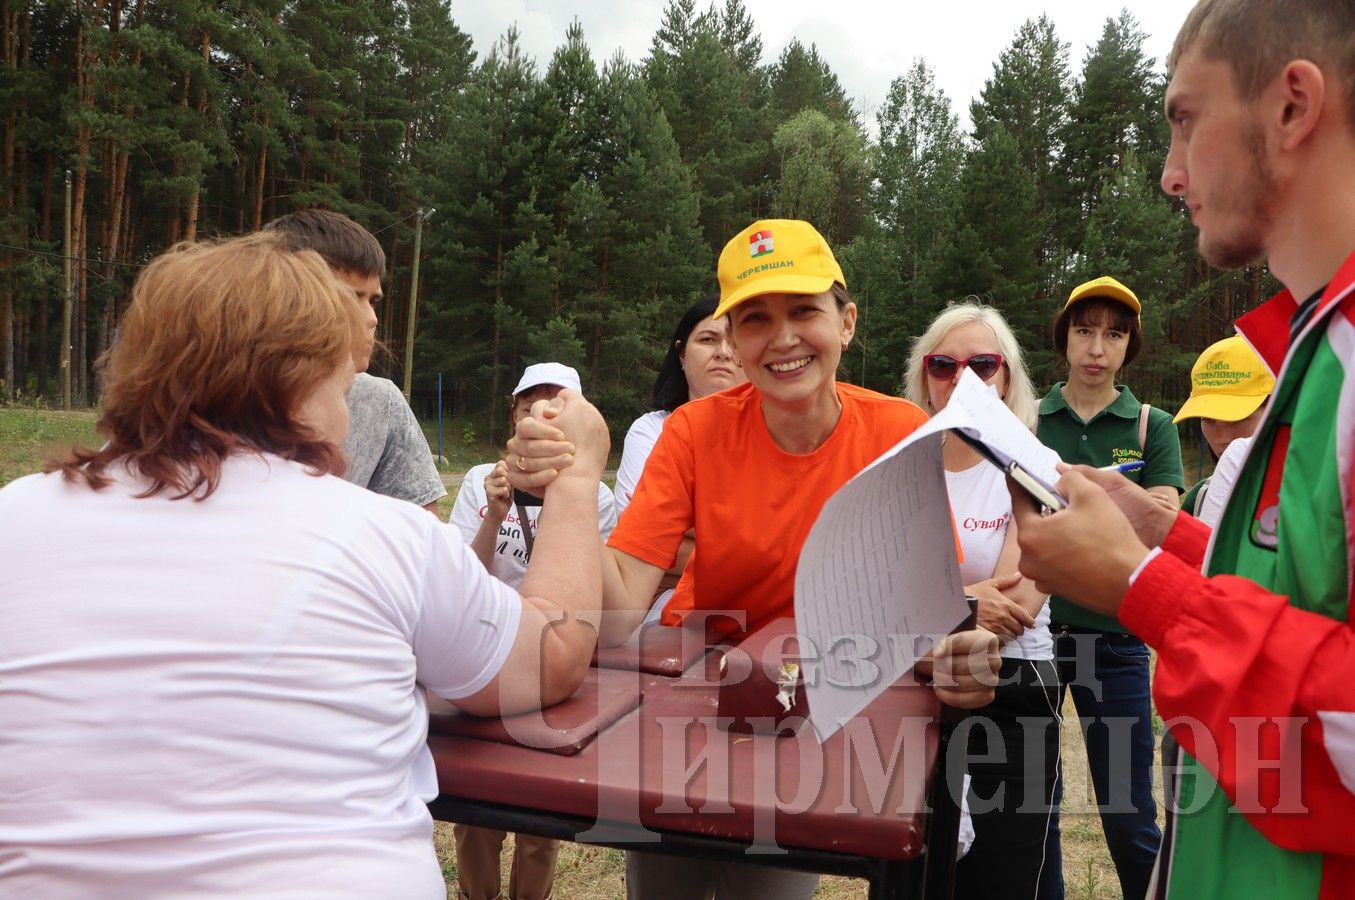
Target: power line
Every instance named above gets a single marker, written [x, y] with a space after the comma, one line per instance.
[50, 255]
[417, 212]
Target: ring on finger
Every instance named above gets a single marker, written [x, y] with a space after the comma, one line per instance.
[521, 467]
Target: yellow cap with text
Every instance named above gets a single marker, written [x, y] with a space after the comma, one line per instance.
[1228, 382]
[775, 256]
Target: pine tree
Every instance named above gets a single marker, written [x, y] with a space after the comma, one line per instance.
[567, 166]
[653, 260]
[1027, 96]
[801, 79]
[895, 266]
[1132, 234]
[487, 256]
[701, 73]
[1116, 110]
[996, 249]
[434, 60]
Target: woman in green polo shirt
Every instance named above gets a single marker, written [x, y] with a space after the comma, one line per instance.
[1092, 419]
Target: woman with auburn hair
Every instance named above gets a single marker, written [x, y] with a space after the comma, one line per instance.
[1011, 789]
[216, 652]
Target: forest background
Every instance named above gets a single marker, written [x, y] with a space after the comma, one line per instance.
[578, 207]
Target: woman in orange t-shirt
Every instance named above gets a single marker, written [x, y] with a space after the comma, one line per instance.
[749, 469]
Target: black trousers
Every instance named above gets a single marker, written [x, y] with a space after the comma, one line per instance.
[1012, 760]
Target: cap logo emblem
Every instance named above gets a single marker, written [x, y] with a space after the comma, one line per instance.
[759, 244]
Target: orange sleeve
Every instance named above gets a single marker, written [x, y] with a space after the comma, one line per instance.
[683, 601]
[661, 512]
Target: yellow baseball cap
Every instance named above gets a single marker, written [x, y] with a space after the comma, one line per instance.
[1228, 382]
[1107, 287]
[775, 256]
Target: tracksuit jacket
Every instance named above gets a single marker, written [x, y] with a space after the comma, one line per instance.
[1256, 657]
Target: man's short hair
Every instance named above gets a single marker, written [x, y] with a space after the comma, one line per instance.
[1256, 38]
[340, 241]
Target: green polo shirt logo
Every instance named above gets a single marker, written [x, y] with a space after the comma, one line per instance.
[1125, 454]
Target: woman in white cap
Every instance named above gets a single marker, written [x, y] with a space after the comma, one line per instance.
[484, 509]
[500, 532]
[748, 468]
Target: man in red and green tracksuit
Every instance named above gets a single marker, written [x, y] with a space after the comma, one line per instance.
[1249, 663]
[1253, 624]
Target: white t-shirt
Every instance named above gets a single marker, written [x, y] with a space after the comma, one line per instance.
[983, 508]
[510, 551]
[1221, 482]
[640, 439]
[227, 697]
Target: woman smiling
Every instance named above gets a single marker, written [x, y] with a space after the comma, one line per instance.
[1013, 742]
[699, 362]
[748, 469]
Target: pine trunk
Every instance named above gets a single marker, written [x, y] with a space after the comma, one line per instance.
[191, 229]
[9, 51]
[273, 191]
[40, 357]
[85, 98]
[260, 170]
[496, 354]
[386, 308]
[7, 331]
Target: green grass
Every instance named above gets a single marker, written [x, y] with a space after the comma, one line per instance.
[463, 445]
[28, 435]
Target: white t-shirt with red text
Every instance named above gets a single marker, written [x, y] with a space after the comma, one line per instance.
[982, 509]
[510, 550]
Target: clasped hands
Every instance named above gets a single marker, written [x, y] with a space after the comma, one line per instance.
[562, 435]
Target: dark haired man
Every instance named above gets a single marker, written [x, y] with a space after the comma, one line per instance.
[386, 449]
[1256, 656]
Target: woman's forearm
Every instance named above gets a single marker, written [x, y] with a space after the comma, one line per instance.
[628, 586]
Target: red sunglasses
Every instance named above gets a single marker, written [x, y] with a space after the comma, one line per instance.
[943, 367]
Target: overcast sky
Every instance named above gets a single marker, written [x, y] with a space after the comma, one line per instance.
[867, 42]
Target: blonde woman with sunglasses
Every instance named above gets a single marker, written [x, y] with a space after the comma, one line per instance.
[1013, 740]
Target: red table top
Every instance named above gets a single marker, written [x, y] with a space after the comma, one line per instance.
[667, 766]
[656, 649]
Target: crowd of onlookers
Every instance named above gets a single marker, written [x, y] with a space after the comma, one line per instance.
[224, 690]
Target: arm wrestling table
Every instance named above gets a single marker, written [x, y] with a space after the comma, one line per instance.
[666, 778]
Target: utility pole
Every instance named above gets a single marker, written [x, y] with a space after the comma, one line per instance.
[69, 285]
[420, 218]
